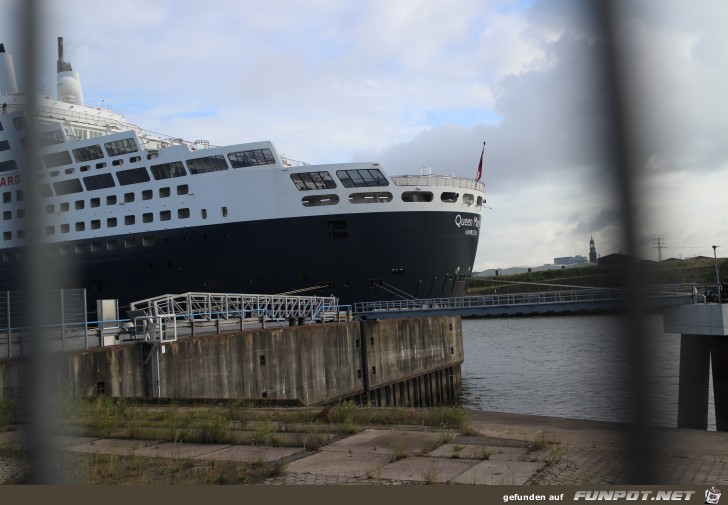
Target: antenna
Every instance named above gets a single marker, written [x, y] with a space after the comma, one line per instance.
[660, 245]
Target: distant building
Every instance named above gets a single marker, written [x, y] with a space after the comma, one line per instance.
[592, 251]
[570, 260]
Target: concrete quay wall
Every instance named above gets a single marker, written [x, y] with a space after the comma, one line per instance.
[390, 362]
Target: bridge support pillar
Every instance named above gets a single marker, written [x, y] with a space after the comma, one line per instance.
[719, 355]
[704, 341]
[692, 401]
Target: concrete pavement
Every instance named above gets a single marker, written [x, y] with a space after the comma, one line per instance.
[499, 448]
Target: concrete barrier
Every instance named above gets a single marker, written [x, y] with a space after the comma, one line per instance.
[393, 362]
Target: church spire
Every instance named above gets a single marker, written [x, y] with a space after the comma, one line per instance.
[592, 251]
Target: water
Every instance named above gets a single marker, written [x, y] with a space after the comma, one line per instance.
[573, 366]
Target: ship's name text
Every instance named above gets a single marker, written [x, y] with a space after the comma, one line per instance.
[469, 222]
[9, 180]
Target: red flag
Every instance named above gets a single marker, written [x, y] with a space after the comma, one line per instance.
[480, 165]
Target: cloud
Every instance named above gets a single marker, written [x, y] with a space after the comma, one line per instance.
[418, 83]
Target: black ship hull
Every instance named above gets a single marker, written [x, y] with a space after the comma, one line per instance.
[355, 257]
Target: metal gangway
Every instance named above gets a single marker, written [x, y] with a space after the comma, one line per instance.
[169, 317]
[583, 300]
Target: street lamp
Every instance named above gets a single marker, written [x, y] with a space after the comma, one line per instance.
[717, 278]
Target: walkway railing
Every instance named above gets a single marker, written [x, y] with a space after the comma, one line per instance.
[163, 314]
[657, 294]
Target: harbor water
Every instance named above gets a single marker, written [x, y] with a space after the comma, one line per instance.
[567, 366]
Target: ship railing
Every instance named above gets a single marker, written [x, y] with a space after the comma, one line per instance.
[438, 180]
[146, 136]
[289, 162]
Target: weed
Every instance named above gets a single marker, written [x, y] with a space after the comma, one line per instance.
[399, 452]
[486, 453]
[446, 437]
[430, 477]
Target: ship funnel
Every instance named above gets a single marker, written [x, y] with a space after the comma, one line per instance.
[8, 84]
[69, 82]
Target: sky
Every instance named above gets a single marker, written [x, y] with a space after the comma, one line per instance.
[423, 83]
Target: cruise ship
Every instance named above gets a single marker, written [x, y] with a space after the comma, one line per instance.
[135, 214]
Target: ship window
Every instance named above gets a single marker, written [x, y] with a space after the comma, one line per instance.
[251, 158]
[51, 138]
[8, 235]
[165, 215]
[130, 242]
[133, 176]
[57, 159]
[79, 204]
[7, 215]
[7, 166]
[50, 230]
[112, 244]
[21, 234]
[111, 200]
[100, 165]
[19, 195]
[129, 220]
[207, 164]
[204, 213]
[45, 190]
[147, 217]
[183, 189]
[65, 228]
[84, 168]
[307, 181]
[80, 248]
[101, 181]
[95, 224]
[183, 213]
[95, 202]
[128, 197]
[373, 197]
[7, 197]
[318, 200]
[64, 251]
[95, 246]
[1, 126]
[468, 199]
[55, 173]
[88, 153]
[123, 146]
[164, 192]
[4, 145]
[224, 212]
[80, 226]
[135, 159]
[20, 213]
[168, 170]
[50, 209]
[364, 178]
[148, 241]
[417, 196]
[147, 194]
[480, 201]
[117, 163]
[449, 197]
[111, 222]
[65, 207]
